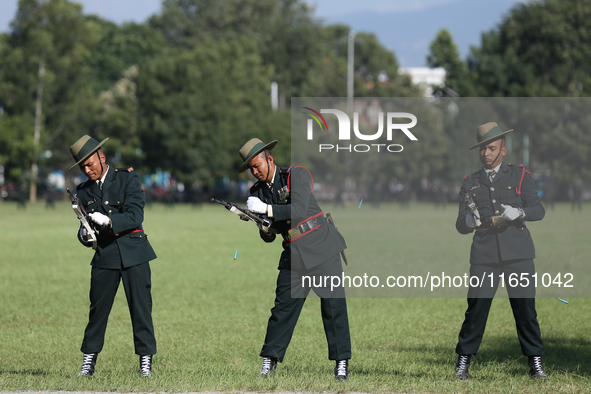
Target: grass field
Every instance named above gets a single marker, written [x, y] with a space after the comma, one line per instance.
[210, 311]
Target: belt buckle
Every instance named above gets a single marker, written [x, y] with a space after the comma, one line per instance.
[497, 221]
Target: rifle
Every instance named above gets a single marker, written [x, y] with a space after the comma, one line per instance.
[331, 221]
[471, 205]
[261, 221]
[84, 219]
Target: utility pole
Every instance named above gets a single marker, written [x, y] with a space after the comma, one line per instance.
[350, 65]
[37, 130]
[526, 151]
[274, 96]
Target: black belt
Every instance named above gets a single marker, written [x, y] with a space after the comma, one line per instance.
[121, 233]
[499, 221]
[303, 228]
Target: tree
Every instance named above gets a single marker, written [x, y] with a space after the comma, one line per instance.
[118, 48]
[285, 33]
[44, 64]
[443, 52]
[198, 106]
[541, 48]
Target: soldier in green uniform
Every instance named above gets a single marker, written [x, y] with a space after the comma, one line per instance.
[115, 201]
[505, 197]
[311, 247]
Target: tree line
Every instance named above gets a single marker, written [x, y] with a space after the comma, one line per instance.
[182, 91]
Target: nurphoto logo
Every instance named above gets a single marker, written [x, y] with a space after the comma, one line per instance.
[344, 130]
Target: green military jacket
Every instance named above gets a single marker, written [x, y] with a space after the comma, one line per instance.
[499, 244]
[313, 248]
[124, 244]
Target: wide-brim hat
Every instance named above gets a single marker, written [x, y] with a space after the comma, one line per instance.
[251, 149]
[83, 148]
[487, 133]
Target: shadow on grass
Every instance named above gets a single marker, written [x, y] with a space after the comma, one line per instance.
[568, 356]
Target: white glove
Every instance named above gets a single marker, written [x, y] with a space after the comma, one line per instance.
[511, 213]
[472, 222]
[100, 219]
[254, 204]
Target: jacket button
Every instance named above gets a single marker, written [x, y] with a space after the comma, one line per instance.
[117, 234]
[92, 209]
[493, 200]
[289, 221]
[106, 203]
[509, 187]
[474, 195]
[140, 236]
[110, 211]
[492, 189]
[118, 202]
[496, 212]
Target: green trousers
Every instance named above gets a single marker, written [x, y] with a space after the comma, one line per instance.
[286, 312]
[103, 288]
[523, 304]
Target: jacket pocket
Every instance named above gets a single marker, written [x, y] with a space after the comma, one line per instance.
[509, 196]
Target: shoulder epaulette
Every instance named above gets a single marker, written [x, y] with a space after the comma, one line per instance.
[289, 175]
[526, 169]
[466, 177]
[130, 169]
[253, 187]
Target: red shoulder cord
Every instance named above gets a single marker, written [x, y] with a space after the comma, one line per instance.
[289, 175]
[520, 182]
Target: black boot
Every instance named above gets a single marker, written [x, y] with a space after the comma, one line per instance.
[269, 367]
[88, 364]
[535, 367]
[146, 365]
[462, 367]
[341, 370]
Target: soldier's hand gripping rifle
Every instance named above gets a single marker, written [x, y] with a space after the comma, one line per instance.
[262, 222]
[471, 205]
[84, 220]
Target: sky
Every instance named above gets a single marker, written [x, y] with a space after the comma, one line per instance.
[407, 27]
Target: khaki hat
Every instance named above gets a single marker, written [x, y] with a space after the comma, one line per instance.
[252, 148]
[487, 133]
[83, 148]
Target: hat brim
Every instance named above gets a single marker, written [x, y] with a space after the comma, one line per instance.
[491, 139]
[89, 153]
[269, 146]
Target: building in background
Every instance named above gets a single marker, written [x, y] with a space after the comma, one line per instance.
[425, 77]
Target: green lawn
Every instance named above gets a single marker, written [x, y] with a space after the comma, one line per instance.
[210, 311]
